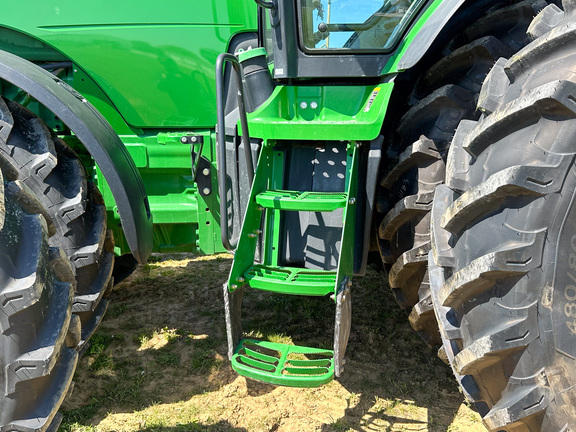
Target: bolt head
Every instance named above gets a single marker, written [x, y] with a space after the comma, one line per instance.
[206, 171]
[184, 140]
[194, 139]
[206, 191]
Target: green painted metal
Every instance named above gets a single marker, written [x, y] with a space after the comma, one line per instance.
[246, 250]
[264, 207]
[184, 219]
[293, 114]
[266, 203]
[148, 69]
[171, 52]
[247, 55]
[272, 220]
[342, 113]
[170, 49]
[90, 89]
[279, 364]
[301, 201]
[290, 280]
[346, 259]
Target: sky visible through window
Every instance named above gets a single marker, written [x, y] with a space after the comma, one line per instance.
[345, 11]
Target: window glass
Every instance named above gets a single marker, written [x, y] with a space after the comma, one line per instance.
[355, 24]
[267, 33]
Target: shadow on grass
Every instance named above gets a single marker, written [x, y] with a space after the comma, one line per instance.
[221, 426]
[398, 378]
[164, 342]
[395, 379]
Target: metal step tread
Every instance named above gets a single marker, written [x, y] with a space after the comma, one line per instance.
[302, 201]
[291, 280]
[280, 364]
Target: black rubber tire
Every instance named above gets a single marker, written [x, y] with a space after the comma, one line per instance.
[74, 207]
[38, 333]
[443, 95]
[503, 259]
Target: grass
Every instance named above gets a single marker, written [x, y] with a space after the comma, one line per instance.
[159, 362]
[204, 355]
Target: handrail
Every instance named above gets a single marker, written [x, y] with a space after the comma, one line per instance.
[221, 138]
[265, 4]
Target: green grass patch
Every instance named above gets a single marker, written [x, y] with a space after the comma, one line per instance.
[164, 358]
[116, 310]
[204, 356]
[75, 419]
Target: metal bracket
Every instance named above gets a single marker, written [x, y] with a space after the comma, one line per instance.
[204, 176]
[233, 312]
[343, 324]
[197, 144]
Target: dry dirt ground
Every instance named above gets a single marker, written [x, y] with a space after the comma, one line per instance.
[158, 362]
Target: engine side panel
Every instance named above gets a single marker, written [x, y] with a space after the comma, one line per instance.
[155, 63]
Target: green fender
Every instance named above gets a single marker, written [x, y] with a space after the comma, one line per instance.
[100, 140]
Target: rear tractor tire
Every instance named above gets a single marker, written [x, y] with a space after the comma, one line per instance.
[443, 95]
[39, 335]
[503, 261]
[74, 207]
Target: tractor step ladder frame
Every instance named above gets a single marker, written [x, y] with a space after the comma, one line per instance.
[276, 363]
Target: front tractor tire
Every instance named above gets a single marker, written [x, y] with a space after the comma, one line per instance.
[73, 206]
[39, 335]
[503, 261]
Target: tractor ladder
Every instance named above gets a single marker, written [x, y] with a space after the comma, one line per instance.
[297, 238]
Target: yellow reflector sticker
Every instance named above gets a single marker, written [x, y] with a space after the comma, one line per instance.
[371, 100]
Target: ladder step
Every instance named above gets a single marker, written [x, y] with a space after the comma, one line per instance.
[302, 201]
[280, 364]
[290, 280]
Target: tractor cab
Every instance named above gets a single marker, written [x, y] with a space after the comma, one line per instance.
[345, 39]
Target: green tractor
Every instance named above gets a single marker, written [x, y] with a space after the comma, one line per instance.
[438, 134]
